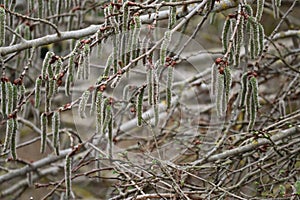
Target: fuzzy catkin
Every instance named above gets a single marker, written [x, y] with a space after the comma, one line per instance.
[44, 124]
[86, 61]
[228, 81]
[68, 174]
[150, 85]
[220, 94]
[259, 10]
[2, 26]
[164, 47]
[3, 98]
[55, 130]
[13, 139]
[98, 111]
[46, 68]
[9, 130]
[139, 107]
[169, 85]
[261, 36]
[9, 91]
[82, 104]
[244, 81]
[214, 75]
[225, 34]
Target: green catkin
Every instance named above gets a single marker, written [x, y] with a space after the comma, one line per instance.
[136, 34]
[3, 98]
[15, 96]
[69, 81]
[51, 88]
[228, 81]
[225, 34]
[150, 85]
[139, 106]
[259, 10]
[220, 93]
[46, 65]
[252, 114]
[103, 109]
[115, 53]
[248, 98]
[68, 177]
[255, 38]
[99, 112]
[99, 43]
[248, 9]
[86, 61]
[233, 23]
[93, 103]
[106, 118]
[130, 40]
[70, 72]
[2, 26]
[47, 99]
[164, 47]
[251, 39]
[172, 16]
[169, 86]
[44, 124]
[214, 72]
[40, 8]
[13, 139]
[55, 130]
[254, 86]
[80, 70]
[9, 130]
[278, 3]
[244, 81]
[126, 16]
[9, 91]
[240, 39]
[82, 104]
[108, 65]
[261, 36]
[58, 66]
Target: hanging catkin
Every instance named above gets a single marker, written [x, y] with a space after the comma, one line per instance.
[2, 26]
[225, 34]
[83, 103]
[55, 130]
[13, 139]
[139, 106]
[44, 124]
[164, 47]
[68, 176]
[169, 85]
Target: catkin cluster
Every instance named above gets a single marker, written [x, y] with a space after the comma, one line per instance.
[221, 84]
[249, 97]
[243, 29]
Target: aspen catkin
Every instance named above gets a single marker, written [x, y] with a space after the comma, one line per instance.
[2, 26]
[82, 104]
[68, 175]
[164, 47]
[169, 85]
[225, 34]
[55, 130]
[139, 107]
[13, 139]
[44, 124]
